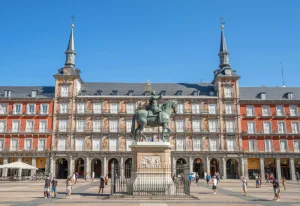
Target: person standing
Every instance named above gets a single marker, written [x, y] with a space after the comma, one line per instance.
[85, 175]
[268, 177]
[298, 176]
[93, 176]
[197, 178]
[218, 177]
[244, 181]
[191, 178]
[101, 184]
[271, 177]
[47, 188]
[54, 184]
[207, 179]
[106, 179]
[215, 183]
[73, 178]
[76, 178]
[284, 183]
[69, 185]
[256, 181]
[276, 190]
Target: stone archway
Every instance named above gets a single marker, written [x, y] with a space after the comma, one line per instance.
[96, 167]
[127, 169]
[116, 166]
[214, 166]
[61, 167]
[198, 167]
[232, 169]
[79, 167]
[179, 165]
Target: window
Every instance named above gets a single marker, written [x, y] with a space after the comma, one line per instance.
[113, 125]
[41, 144]
[97, 144]
[80, 108]
[114, 92]
[130, 108]
[295, 127]
[79, 144]
[279, 110]
[267, 127]
[99, 92]
[213, 125]
[265, 110]
[130, 93]
[228, 108]
[29, 125]
[80, 125]
[15, 126]
[97, 108]
[283, 146]
[213, 144]
[252, 145]
[43, 126]
[228, 92]
[281, 127]
[128, 143]
[179, 125]
[296, 146]
[61, 144]
[231, 144]
[196, 124]
[97, 125]
[229, 126]
[113, 144]
[63, 108]
[180, 109]
[197, 146]
[28, 144]
[268, 145]
[263, 96]
[290, 96]
[14, 144]
[114, 108]
[212, 109]
[251, 127]
[250, 111]
[44, 109]
[180, 144]
[64, 91]
[7, 93]
[128, 125]
[17, 109]
[3, 108]
[163, 93]
[179, 93]
[34, 93]
[62, 125]
[293, 110]
[2, 126]
[195, 93]
[196, 108]
[30, 109]
[1, 144]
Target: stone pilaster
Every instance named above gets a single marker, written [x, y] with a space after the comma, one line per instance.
[278, 169]
[5, 161]
[207, 165]
[105, 169]
[246, 167]
[262, 168]
[173, 166]
[242, 167]
[33, 163]
[71, 166]
[224, 173]
[52, 166]
[191, 164]
[87, 167]
[122, 168]
[292, 169]
[19, 170]
[47, 165]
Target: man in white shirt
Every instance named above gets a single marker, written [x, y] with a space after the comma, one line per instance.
[215, 182]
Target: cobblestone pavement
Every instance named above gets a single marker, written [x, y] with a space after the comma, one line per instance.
[86, 193]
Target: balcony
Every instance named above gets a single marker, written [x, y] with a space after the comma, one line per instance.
[292, 116]
[265, 116]
[249, 116]
[63, 112]
[3, 113]
[100, 130]
[64, 95]
[14, 113]
[25, 131]
[279, 115]
[201, 112]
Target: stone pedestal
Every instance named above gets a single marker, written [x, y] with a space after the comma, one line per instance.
[151, 172]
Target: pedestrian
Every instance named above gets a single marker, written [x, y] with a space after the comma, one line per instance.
[47, 188]
[191, 178]
[218, 177]
[207, 179]
[101, 184]
[106, 179]
[276, 190]
[76, 178]
[197, 178]
[93, 176]
[244, 181]
[73, 178]
[69, 184]
[85, 176]
[259, 180]
[298, 176]
[267, 177]
[54, 184]
[256, 181]
[271, 178]
[215, 183]
[284, 183]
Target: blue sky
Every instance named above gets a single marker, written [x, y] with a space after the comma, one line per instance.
[159, 40]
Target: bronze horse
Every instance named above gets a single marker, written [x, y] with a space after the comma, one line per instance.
[142, 119]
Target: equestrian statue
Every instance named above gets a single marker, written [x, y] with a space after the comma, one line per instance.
[155, 115]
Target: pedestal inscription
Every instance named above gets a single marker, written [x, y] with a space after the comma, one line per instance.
[150, 162]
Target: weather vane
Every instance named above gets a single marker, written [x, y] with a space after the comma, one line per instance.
[72, 17]
[222, 22]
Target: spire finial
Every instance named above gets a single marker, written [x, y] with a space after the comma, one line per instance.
[222, 22]
[73, 17]
[70, 53]
[223, 54]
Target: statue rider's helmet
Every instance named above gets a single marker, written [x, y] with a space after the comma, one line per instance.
[153, 92]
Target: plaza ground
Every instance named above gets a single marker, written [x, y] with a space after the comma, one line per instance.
[86, 193]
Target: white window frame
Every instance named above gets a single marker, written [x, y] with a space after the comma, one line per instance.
[229, 108]
[250, 108]
[130, 108]
[81, 108]
[3, 142]
[61, 129]
[197, 144]
[254, 144]
[28, 108]
[129, 142]
[271, 146]
[97, 108]
[46, 126]
[179, 146]
[3, 108]
[64, 91]
[228, 128]
[41, 109]
[279, 110]
[262, 110]
[60, 148]
[16, 129]
[270, 127]
[212, 129]
[95, 127]
[296, 110]
[295, 147]
[96, 140]
[228, 92]
[128, 125]
[232, 147]
[297, 128]
[25, 143]
[212, 110]
[211, 148]
[196, 125]
[15, 108]
[111, 126]
[4, 128]
[78, 147]
[10, 146]
[196, 108]
[178, 126]
[281, 132]
[114, 110]
[27, 129]
[111, 149]
[285, 144]
[64, 108]
[254, 127]
[39, 144]
[80, 123]
[180, 108]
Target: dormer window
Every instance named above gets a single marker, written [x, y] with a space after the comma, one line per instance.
[114, 92]
[211, 93]
[130, 93]
[147, 93]
[33, 93]
[163, 93]
[290, 96]
[83, 92]
[7, 93]
[99, 92]
[179, 93]
[195, 93]
[263, 95]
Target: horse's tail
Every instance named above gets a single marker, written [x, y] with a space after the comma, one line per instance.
[133, 124]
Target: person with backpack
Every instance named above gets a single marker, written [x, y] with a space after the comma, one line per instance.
[207, 179]
[276, 190]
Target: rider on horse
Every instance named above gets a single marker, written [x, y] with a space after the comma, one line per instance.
[153, 105]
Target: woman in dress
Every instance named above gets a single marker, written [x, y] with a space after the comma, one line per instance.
[101, 184]
[106, 179]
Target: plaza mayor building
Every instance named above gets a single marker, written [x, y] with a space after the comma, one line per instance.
[79, 126]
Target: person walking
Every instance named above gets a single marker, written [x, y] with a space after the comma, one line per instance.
[101, 184]
[85, 176]
[106, 179]
[76, 178]
[93, 176]
[54, 184]
[207, 179]
[69, 185]
[256, 181]
[73, 178]
[276, 190]
[218, 177]
[268, 177]
[197, 178]
[47, 188]
[191, 178]
[298, 176]
[244, 181]
[215, 183]
[284, 183]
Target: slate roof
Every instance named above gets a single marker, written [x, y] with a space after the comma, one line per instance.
[272, 93]
[25, 91]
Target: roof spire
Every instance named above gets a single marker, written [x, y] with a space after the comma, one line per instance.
[223, 54]
[70, 53]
